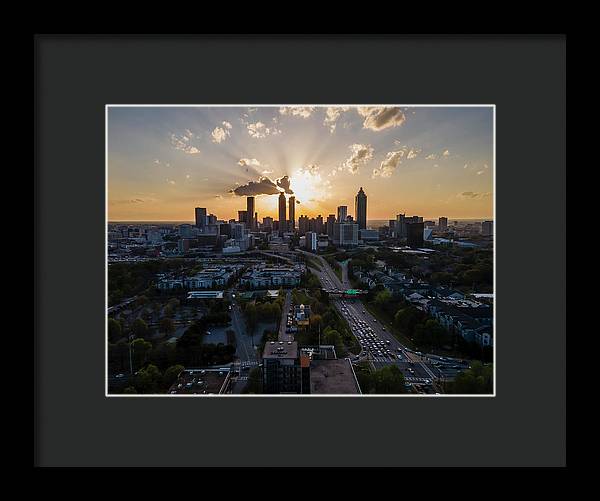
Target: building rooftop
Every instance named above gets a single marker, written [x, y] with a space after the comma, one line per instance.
[329, 377]
[281, 350]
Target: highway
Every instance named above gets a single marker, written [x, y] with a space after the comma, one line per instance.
[378, 345]
[283, 335]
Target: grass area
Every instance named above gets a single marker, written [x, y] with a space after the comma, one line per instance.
[387, 320]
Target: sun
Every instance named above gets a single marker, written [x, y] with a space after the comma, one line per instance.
[311, 191]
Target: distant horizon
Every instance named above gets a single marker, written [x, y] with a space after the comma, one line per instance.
[191, 221]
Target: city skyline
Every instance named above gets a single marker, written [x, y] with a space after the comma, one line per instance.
[163, 162]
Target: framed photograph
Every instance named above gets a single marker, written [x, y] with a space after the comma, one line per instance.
[305, 250]
[233, 228]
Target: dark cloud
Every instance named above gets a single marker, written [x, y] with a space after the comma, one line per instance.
[284, 184]
[381, 117]
[264, 186]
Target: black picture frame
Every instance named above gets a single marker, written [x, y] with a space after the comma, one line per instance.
[524, 76]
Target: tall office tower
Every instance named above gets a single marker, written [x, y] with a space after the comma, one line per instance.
[250, 213]
[400, 230]
[200, 213]
[360, 209]
[292, 212]
[342, 213]
[330, 223]
[211, 219]
[282, 217]
[242, 216]
[311, 241]
[414, 234]
[443, 223]
[487, 228]
[303, 225]
[319, 227]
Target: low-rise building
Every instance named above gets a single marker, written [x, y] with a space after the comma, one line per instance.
[268, 276]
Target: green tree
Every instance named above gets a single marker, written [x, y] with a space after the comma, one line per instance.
[383, 298]
[333, 337]
[114, 330]
[388, 380]
[170, 375]
[130, 390]
[476, 380]
[140, 349]
[140, 328]
[148, 380]
[406, 319]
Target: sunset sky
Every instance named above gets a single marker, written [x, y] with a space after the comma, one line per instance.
[425, 161]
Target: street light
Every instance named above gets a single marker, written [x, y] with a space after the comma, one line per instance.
[130, 358]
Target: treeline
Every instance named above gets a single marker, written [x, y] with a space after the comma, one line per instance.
[130, 279]
[266, 311]
[150, 380]
[188, 350]
[325, 319]
[387, 380]
[479, 379]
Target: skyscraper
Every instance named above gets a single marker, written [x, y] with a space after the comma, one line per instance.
[282, 217]
[319, 224]
[414, 234]
[360, 209]
[200, 213]
[330, 223]
[292, 212]
[303, 224]
[443, 223]
[250, 222]
[242, 216]
[342, 213]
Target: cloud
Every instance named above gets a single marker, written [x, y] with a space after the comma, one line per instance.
[266, 171]
[389, 164]
[312, 169]
[393, 159]
[129, 201]
[446, 153]
[219, 134]
[479, 172]
[381, 117]
[249, 162]
[170, 181]
[473, 195]
[284, 184]
[361, 154]
[432, 156]
[298, 111]
[259, 130]
[264, 186]
[181, 143]
[331, 116]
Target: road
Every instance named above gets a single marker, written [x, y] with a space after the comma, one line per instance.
[378, 345]
[244, 342]
[283, 335]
